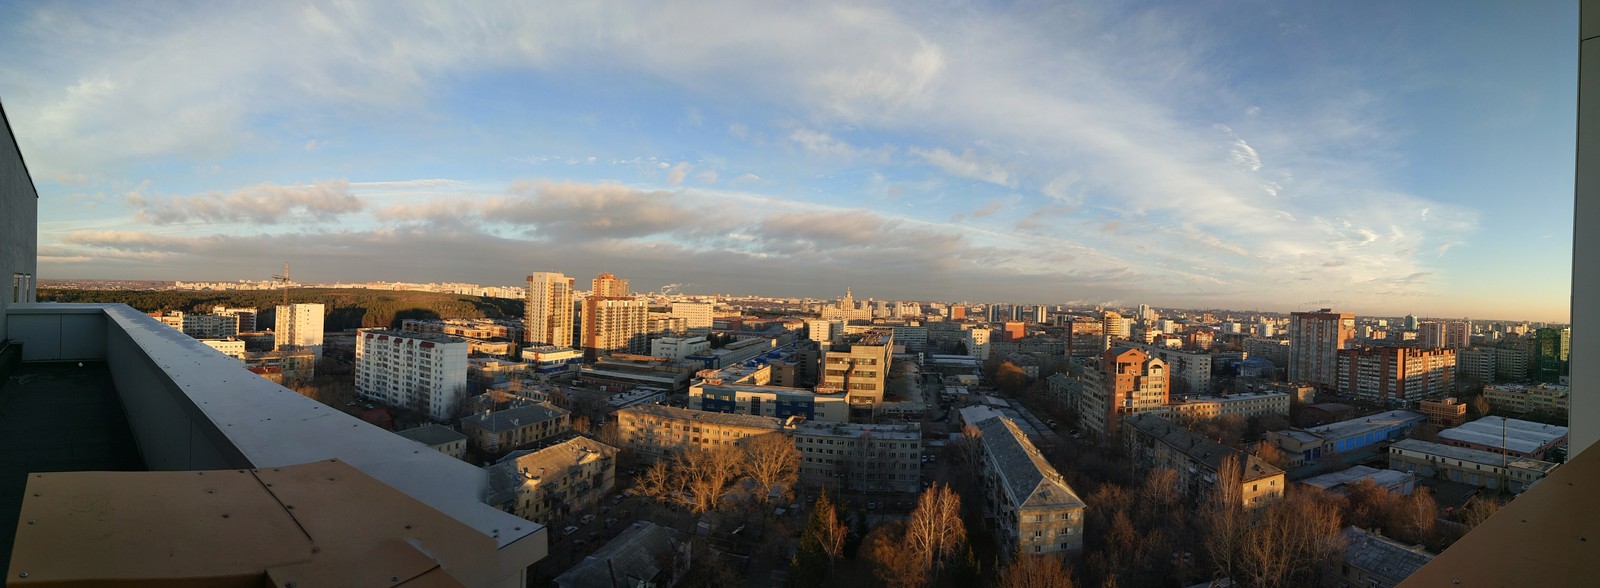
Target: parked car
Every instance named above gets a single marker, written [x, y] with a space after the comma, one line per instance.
[588, 518]
[611, 521]
[569, 530]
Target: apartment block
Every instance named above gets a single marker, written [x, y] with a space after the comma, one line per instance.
[1155, 442]
[548, 313]
[1467, 466]
[549, 485]
[770, 401]
[412, 370]
[1034, 510]
[246, 316]
[696, 315]
[231, 347]
[519, 426]
[860, 457]
[615, 325]
[1273, 350]
[1477, 365]
[1243, 404]
[1189, 372]
[1396, 375]
[1315, 339]
[1133, 383]
[299, 326]
[1544, 399]
[654, 431]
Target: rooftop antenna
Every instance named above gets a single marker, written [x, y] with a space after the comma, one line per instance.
[284, 279]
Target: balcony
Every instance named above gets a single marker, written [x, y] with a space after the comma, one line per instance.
[187, 407]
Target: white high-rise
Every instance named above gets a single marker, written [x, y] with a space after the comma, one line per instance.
[548, 316]
[299, 326]
[426, 371]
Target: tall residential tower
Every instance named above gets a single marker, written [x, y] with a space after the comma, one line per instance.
[548, 316]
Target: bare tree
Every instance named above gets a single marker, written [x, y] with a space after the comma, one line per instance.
[833, 532]
[972, 445]
[709, 470]
[1294, 539]
[1226, 522]
[773, 462]
[659, 481]
[1270, 453]
[935, 530]
[1479, 405]
[1035, 571]
[1478, 510]
[895, 563]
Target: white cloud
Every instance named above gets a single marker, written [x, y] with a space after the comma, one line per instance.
[679, 172]
[967, 165]
[262, 204]
[707, 177]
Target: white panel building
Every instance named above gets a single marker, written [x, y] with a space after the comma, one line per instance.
[412, 370]
[696, 315]
[299, 326]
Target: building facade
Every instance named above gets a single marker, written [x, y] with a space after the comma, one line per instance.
[655, 431]
[1243, 404]
[1155, 442]
[412, 370]
[1396, 375]
[858, 369]
[519, 426]
[1543, 399]
[299, 326]
[547, 316]
[859, 457]
[1034, 510]
[696, 315]
[615, 325]
[549, 485]
[1133, 383]
[1467, 466]
[1315, 339]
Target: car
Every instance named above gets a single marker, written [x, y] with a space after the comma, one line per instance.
[579, 543]
[872, 505]
[611, 521]
[352, 403]
[617, 499]
[569, 530]
[588, 518]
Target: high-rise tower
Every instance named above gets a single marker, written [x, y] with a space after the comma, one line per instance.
[548, 316]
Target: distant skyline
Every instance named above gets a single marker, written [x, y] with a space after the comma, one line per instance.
[1378, 158]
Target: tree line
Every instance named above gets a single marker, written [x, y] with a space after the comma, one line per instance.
[347, 308]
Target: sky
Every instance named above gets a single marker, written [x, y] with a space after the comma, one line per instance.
[1375, 157]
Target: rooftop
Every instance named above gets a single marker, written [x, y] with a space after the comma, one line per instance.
[1022, 469]
[903, 432]
[58, 417]
[1366, 424]
[1197, 447]
[432, 435]
[1513, 435]
[639, 554]
[381, 334]
[512, 418]
[1469, 455]
[701, 416]
[512, 471]
[1382, 556]
[1351, 475]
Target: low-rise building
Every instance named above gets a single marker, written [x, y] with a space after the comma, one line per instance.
[548, 485]
[230, 347]
[551, 359]
[520, 426]
[1373, 561]
[1243, 404]
[1301, 446]
[1467, 466]
[654, 431]
[1444, 412]
[618, 372]
[1545, 399]
[860, 457]
[1034, 510]
[440, 438]
[1395, 481]
[679, 347]
[1509, 436]
[1153, 442]
[645, 555]
[771, 401]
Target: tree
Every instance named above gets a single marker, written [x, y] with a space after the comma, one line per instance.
[971, 444]
[659, 481]
[821, 544]
[935, 530]
[894, 562]
[1226, 522]
[773, 462]
[1271, 454]
[708, 470]
[1477, 510]
[1479, 405]
[1035, 571]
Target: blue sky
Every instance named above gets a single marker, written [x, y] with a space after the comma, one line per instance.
[1381, 158]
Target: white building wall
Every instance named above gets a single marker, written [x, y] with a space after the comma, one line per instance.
[401, 369]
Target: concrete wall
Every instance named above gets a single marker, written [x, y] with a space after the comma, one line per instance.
[193, 408]
[19, 222]
[1585, 351]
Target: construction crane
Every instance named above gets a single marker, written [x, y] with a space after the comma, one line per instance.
[284, 279]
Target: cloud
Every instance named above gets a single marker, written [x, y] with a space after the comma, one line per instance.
[313, 145]
[1241, 152]
[746, 179]
[260, 204]
[418, 183]
[707, 177]
[677, 173]
[967, 165]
